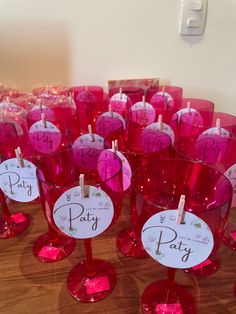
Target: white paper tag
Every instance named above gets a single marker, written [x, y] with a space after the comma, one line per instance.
[118, 102]
[19, 184]
[165, 129]
[177, 245]
[86, 152]
[169, 98]
[230, 173]
[45, 140]
[213, 131]
[143, 114]
[189, 116]
[114, 115]
[83, 218]
[126, 170]
[85, 139]
[211, 147]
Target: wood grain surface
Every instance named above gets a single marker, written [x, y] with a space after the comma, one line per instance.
[29, 286]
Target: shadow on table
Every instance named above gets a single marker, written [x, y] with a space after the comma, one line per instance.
[124, 299]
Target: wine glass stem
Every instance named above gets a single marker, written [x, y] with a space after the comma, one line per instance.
[6, 213]
[170, 284]
[53, 235]
[90, 271]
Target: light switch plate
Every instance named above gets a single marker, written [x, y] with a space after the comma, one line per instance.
[196, 12]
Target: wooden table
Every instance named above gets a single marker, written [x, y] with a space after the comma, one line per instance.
[29, 286]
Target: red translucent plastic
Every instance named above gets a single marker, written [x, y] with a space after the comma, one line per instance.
[11, 113]
[11, 224]
[135, 94]
[89, 103]
[224, 158]
[183, 125]
[167, 297]
[61, 111]
[158, 186]
[50, 90]
[92, 279]
[227, 121]
[128, 240]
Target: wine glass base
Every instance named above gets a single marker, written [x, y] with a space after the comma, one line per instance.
[93, 288]
[49, 250]
[229, 238]
[206, 268]
[129, 245]
[157, 298]
[14, 225]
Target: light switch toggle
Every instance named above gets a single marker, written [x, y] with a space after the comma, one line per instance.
[193, 22]
[195, 5]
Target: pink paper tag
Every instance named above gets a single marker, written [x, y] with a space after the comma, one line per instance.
[109, 165]
[49, 252]
[45, 141]
[211, 148]
[96, 285]
[205, 263]
[18, 217]
[154, 140]
[233, 235]
[106, 125]
[166, 308]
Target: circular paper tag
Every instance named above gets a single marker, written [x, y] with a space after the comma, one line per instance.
[165, 128]
[86, 152]
[230, 173]
[143, 114]
[189, 115]
[107, 124]
[177, 245]
[118, 102]
[19, 184]
[168, 97]
[126, 170]
[45, 140]
[154, 140]
[211, 147]
[83, 218]
[108, 165]
[36, 111]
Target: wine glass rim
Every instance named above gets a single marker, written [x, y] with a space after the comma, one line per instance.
[137, 170]
[74, 183]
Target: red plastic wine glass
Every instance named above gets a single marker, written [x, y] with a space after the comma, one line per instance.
[92, 279]
[208, 195]
[221, 157]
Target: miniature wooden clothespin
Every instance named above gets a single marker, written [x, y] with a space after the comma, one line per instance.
[19, 157]
[160, 121]
[83, 188]
[188, 105]
[115, 146]
[120, 93]
[43, 119]
[144, 102]
[180, 210]
[163, 91]
[110, 110]
[218, 127]
[91, 135]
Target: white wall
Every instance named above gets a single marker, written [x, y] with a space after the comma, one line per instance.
[90, 41]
